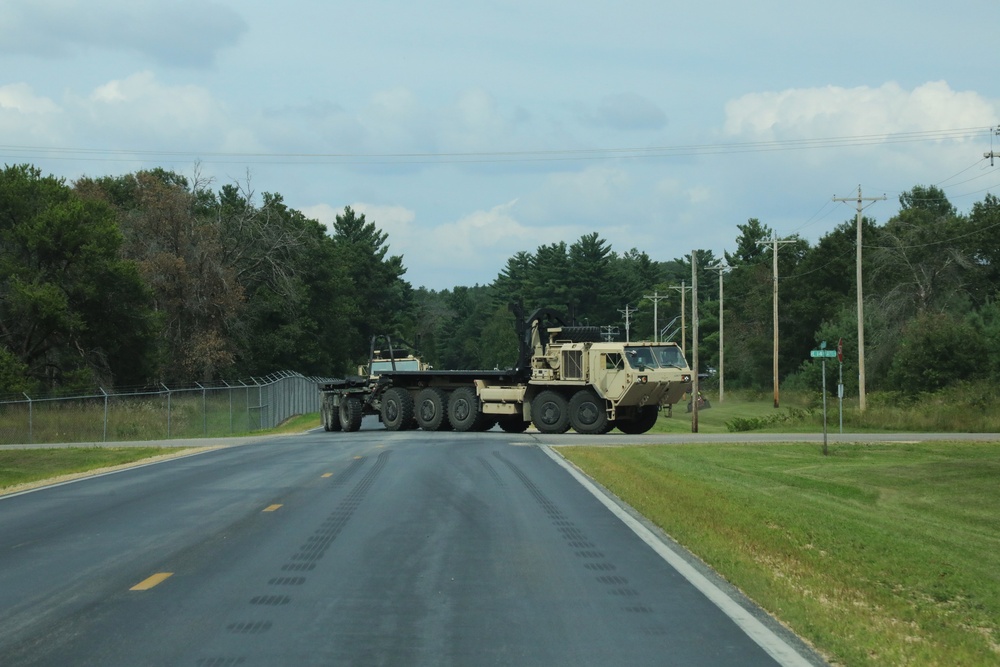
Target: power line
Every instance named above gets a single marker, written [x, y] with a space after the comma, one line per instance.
[680, 150]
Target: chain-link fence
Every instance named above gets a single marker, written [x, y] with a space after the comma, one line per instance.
[189, 412]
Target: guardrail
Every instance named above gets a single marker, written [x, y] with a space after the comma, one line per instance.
[163, 413]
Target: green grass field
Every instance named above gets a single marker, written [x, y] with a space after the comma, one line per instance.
[877, 554]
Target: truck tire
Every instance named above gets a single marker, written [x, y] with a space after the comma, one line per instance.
[485, 422]
[397, 409]
[587, 413]
[581, 334]
[329, 418]
[644, 419]
[431, 409]
[512, 424]
[550, 412]
[463, 409]
[350, 415]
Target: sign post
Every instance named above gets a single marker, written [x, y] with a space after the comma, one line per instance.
[840, 384]
[823, 354]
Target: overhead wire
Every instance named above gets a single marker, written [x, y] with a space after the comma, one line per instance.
[680, 150]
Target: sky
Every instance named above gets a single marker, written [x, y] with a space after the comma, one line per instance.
[471, 131]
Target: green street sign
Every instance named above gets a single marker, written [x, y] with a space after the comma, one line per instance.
[823, 354]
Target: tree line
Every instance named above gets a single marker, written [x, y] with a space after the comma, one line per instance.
[154, 278]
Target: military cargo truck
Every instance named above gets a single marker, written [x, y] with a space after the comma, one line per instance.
[566, 377]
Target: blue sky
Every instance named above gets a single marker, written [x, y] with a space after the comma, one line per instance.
[469, 133]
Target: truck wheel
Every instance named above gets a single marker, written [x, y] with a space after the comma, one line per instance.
[431, 409]
[550, 412]
[485, 423]
[329, 419]
[644, 419]
[587, 413]
[350, 414]
[512, 424]
[463, 409]
[397, 409]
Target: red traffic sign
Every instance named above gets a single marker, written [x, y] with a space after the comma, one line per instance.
[840, 350]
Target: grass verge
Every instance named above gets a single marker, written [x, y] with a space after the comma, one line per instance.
[19, 467]
[24, 466]
[877, 554]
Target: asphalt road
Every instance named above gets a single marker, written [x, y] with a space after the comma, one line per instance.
[369, 548]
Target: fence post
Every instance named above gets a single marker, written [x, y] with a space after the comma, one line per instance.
[31, 421]
[105, 413]
[229, 390]
[168, 408]
[204, 411]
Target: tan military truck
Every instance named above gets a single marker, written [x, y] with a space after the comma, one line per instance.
[566, 377]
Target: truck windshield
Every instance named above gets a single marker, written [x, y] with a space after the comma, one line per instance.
[658, 356]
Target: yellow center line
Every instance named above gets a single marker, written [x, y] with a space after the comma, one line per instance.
[328, 474]
[271, 508]
[154, 580]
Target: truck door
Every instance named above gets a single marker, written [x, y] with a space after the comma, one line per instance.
[612, 375]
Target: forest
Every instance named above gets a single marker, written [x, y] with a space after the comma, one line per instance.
[131, 281]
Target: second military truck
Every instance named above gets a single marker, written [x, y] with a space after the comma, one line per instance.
[566, 377]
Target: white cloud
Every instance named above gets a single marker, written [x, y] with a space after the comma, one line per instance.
[20, 97]
[140, 106]
[28, 120]
[831, 111]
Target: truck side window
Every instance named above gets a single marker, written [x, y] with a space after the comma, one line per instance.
[613, 361]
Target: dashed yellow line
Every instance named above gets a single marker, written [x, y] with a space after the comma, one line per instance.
[328, 474]
[271, 508]
[154, 580]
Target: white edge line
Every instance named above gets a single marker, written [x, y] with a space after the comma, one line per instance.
[774, 645]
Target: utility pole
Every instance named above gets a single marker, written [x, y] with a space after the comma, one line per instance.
[862, 402]
[993, 154]
[695, 393]
[656, 298]
[721, 268]
[682, 289]
[774, 257]
[628, 318]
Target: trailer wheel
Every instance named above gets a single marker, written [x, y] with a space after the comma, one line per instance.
[350, 414]
[329, 419]
[643, 421]
[463, 409]
[431, 409]
[550, 412]
[587, 413]
[397, 409]
[512, 424]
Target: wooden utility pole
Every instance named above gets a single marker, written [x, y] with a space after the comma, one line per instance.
[627, 313]
[862, 403]
[656, 299]
[774, 257]
[694, 341]
[682, 289]
[993, 154]
[721, 268]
